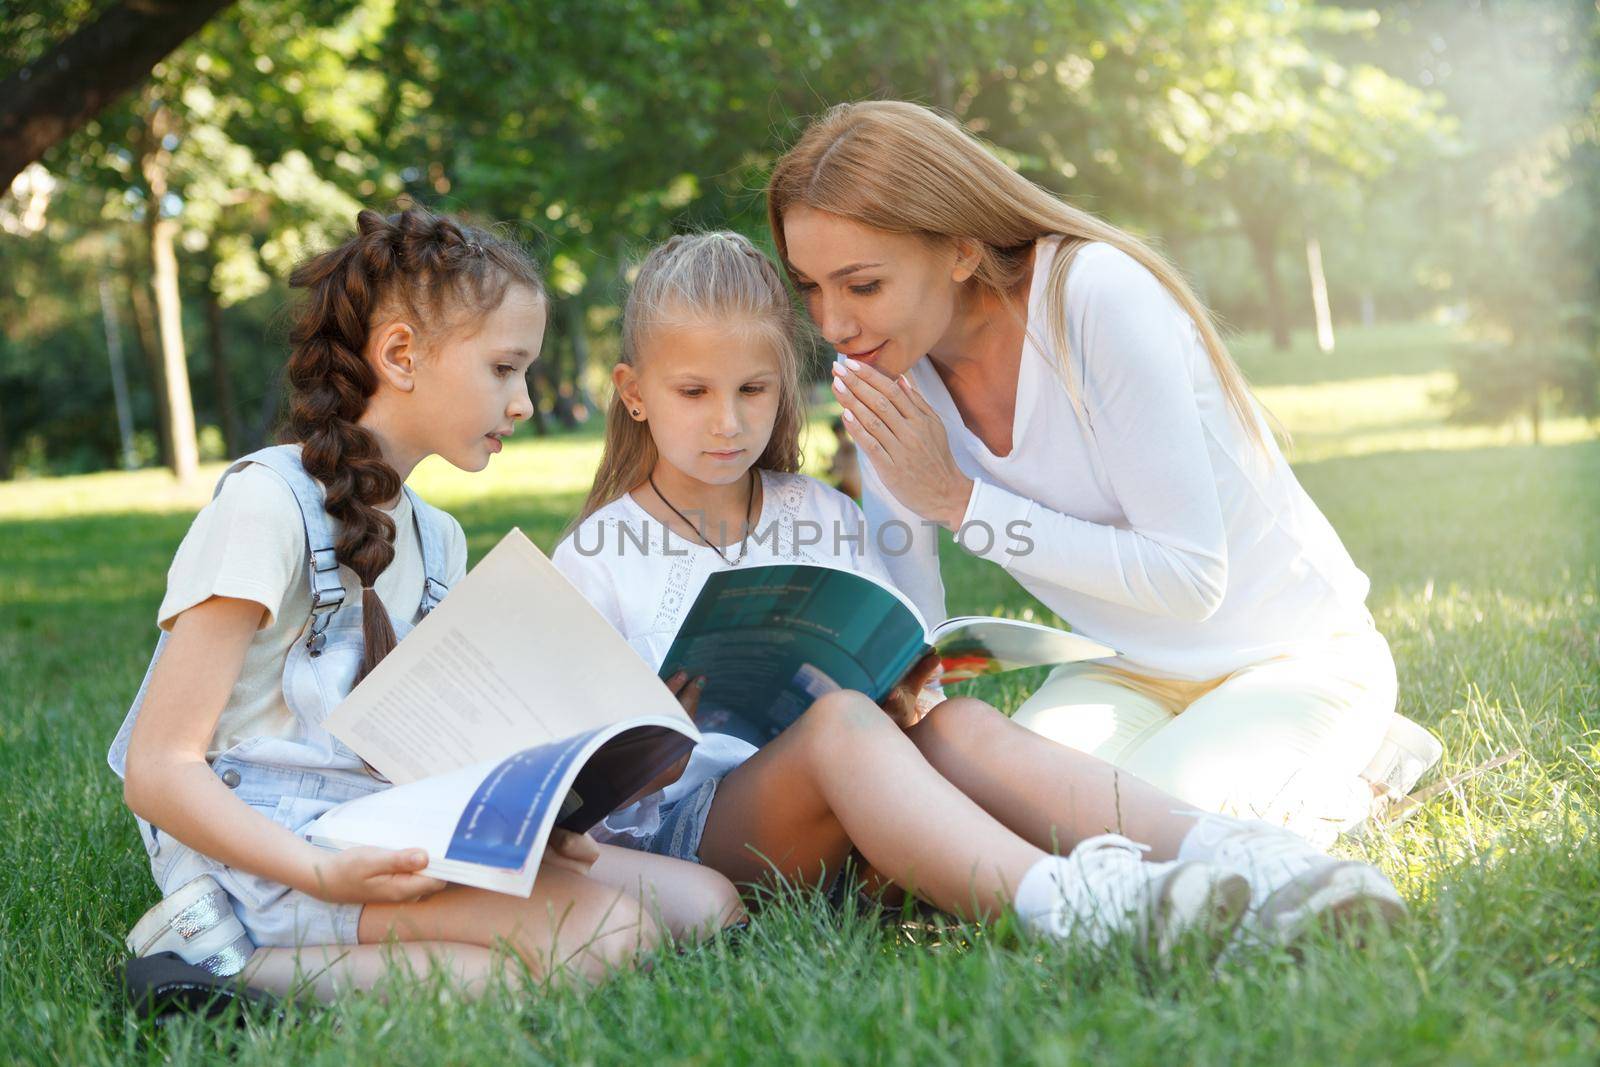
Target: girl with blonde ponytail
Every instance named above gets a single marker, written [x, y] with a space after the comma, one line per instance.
[1049, 389]
[310, 563]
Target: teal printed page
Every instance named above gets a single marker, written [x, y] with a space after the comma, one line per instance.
[772, 639]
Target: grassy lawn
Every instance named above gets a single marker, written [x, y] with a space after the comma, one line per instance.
[1485, 558]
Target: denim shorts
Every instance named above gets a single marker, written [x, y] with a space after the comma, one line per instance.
[683, 823]
[273, 914]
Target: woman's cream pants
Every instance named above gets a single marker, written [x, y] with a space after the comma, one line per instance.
[1284, 740]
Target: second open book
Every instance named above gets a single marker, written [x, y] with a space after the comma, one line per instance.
[772, 639]
[514, 707]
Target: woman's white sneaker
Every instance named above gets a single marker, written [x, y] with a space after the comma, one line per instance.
[1105, 890]
[196, 922]
[1296, 890]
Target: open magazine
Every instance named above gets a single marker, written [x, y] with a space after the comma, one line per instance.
[512, 708]
[771, 639]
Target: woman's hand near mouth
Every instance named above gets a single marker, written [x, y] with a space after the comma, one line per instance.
[906, 440]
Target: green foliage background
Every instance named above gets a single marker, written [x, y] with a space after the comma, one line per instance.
[1445, 155]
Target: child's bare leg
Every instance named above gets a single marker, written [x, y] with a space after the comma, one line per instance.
[1052, 795]
[846, 773]
[572, 925]
[327, 972]
[690, 902]
[648, 893]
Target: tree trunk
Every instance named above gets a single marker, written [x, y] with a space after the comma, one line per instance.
[1262, 234]
[263, 429]
[551, 367]
[578, 331]
[162, 233]
[221, 378]
[174, 361]
[561, 404]
[536, 394]
[1319, 294]
[119, 375]
[5, 446]
[45, 101]
[549, 381]
[144, 335]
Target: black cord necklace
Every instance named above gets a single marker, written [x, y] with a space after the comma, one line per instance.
[744, 542]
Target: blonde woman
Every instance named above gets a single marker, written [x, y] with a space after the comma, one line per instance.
[1049, 389]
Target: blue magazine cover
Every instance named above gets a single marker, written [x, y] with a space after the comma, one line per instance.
[511, 710]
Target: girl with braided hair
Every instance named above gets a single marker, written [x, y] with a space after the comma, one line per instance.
[944, 796]
[310, 562]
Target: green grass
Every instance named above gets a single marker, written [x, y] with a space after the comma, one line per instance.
[1484, 554]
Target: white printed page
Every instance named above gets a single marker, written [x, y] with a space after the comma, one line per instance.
[971, 645]
[514, 657]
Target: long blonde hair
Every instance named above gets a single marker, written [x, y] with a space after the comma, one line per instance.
[700, 279]
[902, 168]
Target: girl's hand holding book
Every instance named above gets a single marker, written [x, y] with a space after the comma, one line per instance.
[367, 875]
[902, 703]
[687, 688]
[575, 852]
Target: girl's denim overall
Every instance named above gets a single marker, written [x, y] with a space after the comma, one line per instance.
[292, 780]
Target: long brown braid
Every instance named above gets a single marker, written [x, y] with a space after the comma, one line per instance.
[440, 270]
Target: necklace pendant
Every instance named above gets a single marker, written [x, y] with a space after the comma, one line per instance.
[744, 542]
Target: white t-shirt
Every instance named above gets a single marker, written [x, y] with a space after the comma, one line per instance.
[249, 543]
[644, 579]
[1154, 525]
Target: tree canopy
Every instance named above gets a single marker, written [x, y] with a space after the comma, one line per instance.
[1415, 153]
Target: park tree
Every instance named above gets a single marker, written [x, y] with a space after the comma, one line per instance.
[60, 83]
[638, 119]
[52, 401]
[1518, 215]
[204, 164]
[1175, 118]
[1268, 126]
[592, 129]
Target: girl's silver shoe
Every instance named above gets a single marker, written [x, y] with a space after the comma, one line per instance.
[196, 922]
